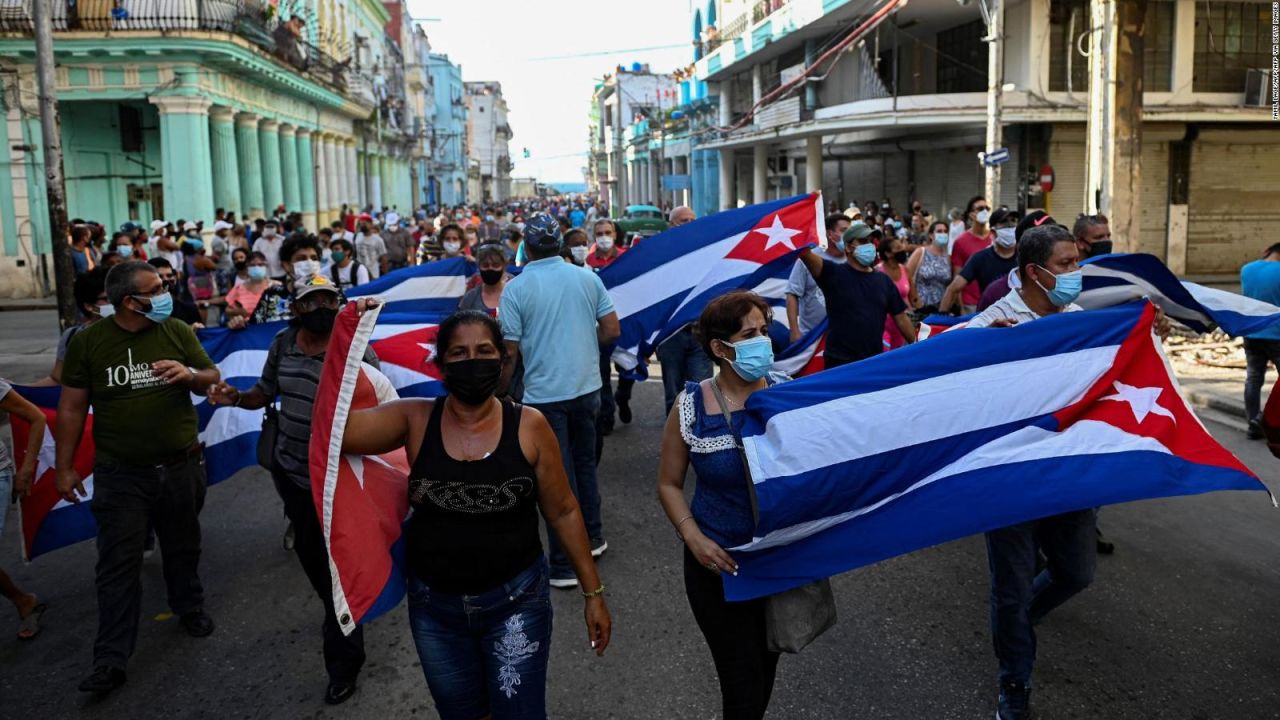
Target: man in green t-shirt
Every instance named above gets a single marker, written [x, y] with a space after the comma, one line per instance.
[137, 369]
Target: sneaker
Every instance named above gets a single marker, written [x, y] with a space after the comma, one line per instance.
[624, 410]
[339, 691]
[598, 546]
[564, 583]
[1255, 431]
[197, 623]
[1014, 702]
[104, 679]
[149, 546]
[287, 542]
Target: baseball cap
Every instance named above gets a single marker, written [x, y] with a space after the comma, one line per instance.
[543, 232]
[858, 231]
[158, 224]
[317, 283]
[393, 218]
[189, 226]
[1003, 215]
[130, 227]
[1035, 218]
[222, 225]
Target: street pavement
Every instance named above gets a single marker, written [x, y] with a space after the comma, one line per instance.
[1182, 622]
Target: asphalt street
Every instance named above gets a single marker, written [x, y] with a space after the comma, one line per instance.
[1182, 622]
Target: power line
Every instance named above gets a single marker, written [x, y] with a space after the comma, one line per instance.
[599, 53]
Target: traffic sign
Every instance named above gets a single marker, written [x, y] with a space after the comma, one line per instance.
[998, 156]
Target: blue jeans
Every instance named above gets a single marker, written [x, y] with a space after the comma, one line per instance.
[574, 423]
[682, 360]
[486, 654]
[1019, 598]
[1257, 353]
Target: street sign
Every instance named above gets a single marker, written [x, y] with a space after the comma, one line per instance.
[1046, 178]
[998, 156]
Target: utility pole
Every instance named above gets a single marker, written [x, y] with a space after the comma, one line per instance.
[995, 91]
[63, 271]
[1114, 147]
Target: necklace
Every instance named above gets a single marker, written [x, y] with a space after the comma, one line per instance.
[732, 400]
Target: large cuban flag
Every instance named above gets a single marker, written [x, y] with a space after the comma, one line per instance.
[1000, 426]
[363, 500]
[434, 287]
[1117, 278]
[662, 284]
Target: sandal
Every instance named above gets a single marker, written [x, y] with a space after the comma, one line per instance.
[29, 627]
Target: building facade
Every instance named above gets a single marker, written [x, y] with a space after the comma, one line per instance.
[632, 107]
[901, 114]
[173, 112]
[447, 181]
[488, 139]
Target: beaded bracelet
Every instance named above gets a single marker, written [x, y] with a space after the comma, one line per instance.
[594, 593]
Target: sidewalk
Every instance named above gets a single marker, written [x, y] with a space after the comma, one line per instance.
[24, 304]
[1211, 372]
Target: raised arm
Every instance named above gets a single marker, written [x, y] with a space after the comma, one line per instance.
[811, 261]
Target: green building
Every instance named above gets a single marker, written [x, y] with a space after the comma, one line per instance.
[172, 109]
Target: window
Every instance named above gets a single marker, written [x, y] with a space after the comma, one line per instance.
[962, 58]
[1068, 21]
[1157, 67]
[1231, 38]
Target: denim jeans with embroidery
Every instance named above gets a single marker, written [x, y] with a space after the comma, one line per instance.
[486, 654]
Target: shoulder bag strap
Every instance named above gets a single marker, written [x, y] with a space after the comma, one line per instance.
[742, 452]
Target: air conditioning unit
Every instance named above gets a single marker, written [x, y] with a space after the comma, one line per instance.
[1257, 88]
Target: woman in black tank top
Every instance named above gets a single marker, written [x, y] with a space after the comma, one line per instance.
[479, 604]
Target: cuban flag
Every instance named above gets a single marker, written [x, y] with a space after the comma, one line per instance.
[434, 287]
[805, 356]
[662, 284]
[1074, 411]
[47, 521]
[1121, 277]
[935, 324]
[364, 500]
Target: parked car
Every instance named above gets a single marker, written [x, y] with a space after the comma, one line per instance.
[642, 220]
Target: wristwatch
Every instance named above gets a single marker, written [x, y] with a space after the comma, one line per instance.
[193, 372]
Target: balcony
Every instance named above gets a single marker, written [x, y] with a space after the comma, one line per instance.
[252, 20]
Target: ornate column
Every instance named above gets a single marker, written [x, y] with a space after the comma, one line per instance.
[361, 192]
[269, 144]
[289, 167]
[306, 179]
[250, 166]
[226, 171]
[344, 172]
[185, 162]
[353, 173]
[322, 181]
[331, 178]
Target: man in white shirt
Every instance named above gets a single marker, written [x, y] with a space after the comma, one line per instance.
[371, 250]
[269, 245]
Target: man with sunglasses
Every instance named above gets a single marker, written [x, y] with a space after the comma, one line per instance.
[138, 369]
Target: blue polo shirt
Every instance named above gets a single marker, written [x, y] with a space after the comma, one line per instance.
[551, 309]
[1260, 280]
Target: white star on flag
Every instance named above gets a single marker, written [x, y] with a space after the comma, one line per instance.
[1142, 401]
[778, 234]
[430, 348]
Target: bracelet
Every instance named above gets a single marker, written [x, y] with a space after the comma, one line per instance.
[594, 593]
[682, 521]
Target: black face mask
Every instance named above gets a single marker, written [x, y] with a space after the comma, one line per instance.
[240, 264]
[1102, 247]
[318, 321]
[471, 382]
[901, 256]
[492, 277]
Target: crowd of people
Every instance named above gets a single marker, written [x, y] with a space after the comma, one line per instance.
[526, 361]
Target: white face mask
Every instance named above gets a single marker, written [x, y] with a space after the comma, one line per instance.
[983, 216]
[304, 269]
[1006, 237]
[268, 232]
[604, 242]
[106, 310]
[452, 246]
[579, 253]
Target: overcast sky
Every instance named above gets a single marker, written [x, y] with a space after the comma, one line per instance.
[549, 100]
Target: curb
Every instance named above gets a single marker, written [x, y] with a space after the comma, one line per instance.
[1212, 407]
[14, 307]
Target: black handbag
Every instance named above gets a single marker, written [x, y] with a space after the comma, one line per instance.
[267, 438]
[796, 617]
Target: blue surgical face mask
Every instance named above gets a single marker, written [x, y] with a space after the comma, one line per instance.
[865, 254]
[1066, 289]
[754, 357]
[840, 245]
[161, 308]
[124, 251]
[257, 272]
[941, 238]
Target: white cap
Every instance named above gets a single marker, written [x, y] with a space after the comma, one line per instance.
[188, 225]
[222, 225]
[393, 218]
[157, 224]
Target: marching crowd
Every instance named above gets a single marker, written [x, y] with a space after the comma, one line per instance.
[531, 398]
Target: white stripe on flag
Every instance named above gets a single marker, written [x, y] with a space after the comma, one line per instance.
[1087, 437]
[243, 363]
[933, 408]
[723, 270]
[420, 288]
[1215, 299]
[227, 423]
[1104, 297]
[387, 330]
[669, 278]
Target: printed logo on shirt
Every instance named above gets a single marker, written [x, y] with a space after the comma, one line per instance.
[133, 376]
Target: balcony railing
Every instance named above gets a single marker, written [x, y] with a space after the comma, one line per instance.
[733, 29]
[252, 20]
[764, 8]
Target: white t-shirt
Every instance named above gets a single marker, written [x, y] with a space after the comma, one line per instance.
[369, 248]
[271, 248]
[344, 275]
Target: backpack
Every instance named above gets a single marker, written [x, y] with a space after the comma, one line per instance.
[355, 274]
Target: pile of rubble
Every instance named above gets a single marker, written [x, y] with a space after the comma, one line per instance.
[1213, 350]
